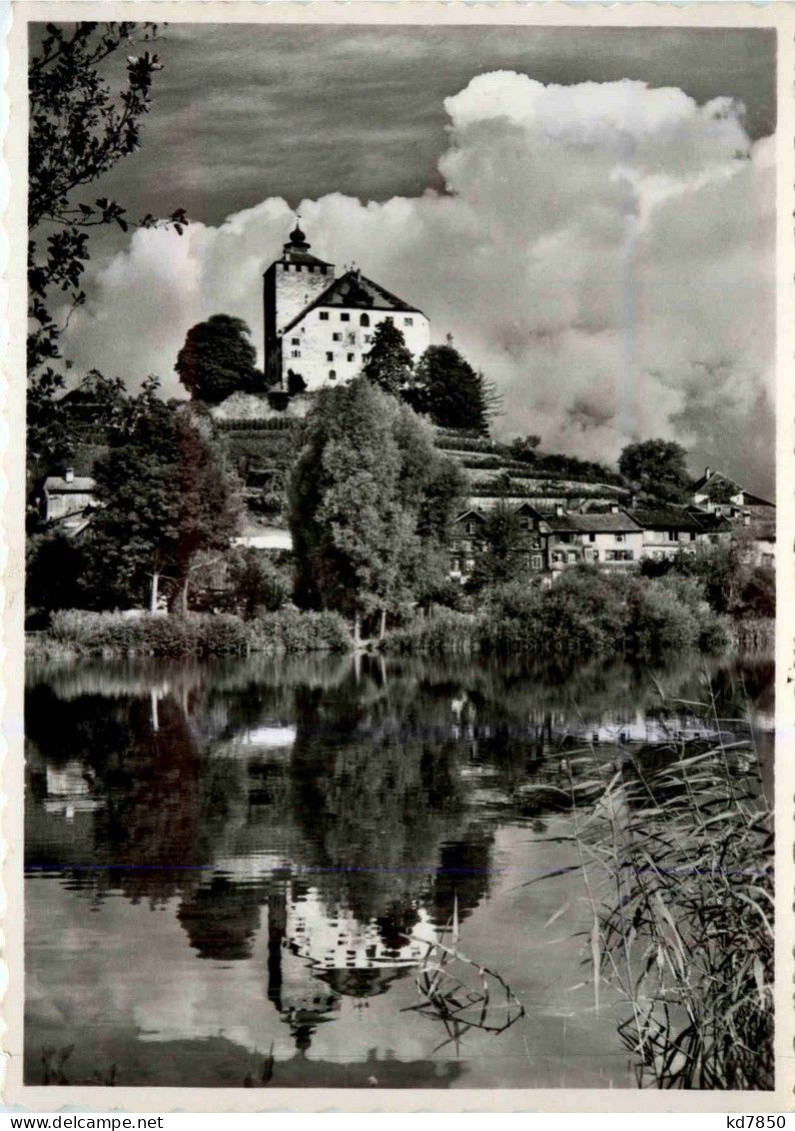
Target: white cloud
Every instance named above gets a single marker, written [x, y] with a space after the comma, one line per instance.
[605, 254]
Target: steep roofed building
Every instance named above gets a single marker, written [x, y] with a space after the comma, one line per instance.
[318, 328]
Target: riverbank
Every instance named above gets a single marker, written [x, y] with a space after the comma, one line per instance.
[585, 613]
[77, 632]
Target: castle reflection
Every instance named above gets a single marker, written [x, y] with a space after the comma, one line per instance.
[339, 810]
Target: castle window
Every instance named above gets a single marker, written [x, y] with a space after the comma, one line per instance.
[409, 321]
[337, 337]
[324, 316]
[619, 537]
[345, 318]
[323, 269]
[364, 320]
[295, 341]
[332, 374]
[351, 357]
[368, 338]
[298, 266]
[295, 353]
[311, 269]
[591, 537]
[329, 356]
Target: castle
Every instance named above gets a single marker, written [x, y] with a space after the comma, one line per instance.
[318, 328]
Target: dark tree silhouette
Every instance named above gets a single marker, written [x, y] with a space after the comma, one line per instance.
[218, 360]
[658, 467]
[449, 390]
[79, 129]
[389, 364]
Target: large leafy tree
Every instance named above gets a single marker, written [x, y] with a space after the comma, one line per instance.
[506, 545]
[218, 359]
[164, 495]
[390, 363]
[657, 467]
[371, 502]
[451, 392]
[79, 129]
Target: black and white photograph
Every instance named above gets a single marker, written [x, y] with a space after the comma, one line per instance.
[400, 554]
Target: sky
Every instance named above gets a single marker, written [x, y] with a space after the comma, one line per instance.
[590, 213]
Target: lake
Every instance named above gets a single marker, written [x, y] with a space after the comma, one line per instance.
[240, 872]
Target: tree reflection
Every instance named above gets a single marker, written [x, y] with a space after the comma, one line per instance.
[341, 807]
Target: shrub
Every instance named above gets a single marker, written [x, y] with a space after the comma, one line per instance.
[270, 424]
[294, 630]
[195, 634]
[585, 612]
[440, 631]
[661, 621]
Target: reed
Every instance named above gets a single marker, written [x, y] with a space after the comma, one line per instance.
[676, 851]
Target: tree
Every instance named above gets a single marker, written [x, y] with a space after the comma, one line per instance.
[523, 448]
[450, 391]
[78, 130]
[218, 360]
[389, 364]
[370, 501]
[164, 495]
[506, 546]
[658, 467]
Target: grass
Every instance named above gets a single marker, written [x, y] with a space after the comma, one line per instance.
[676, 853]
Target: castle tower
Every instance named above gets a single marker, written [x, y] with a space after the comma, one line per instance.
[290, 284]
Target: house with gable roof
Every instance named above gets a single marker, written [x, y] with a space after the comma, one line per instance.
[669, 528]
[319, 328]
[611, 538]
[721, 496]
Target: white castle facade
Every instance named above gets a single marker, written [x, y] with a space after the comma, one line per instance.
[319, 328]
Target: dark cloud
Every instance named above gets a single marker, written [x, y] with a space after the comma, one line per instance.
[242, 112]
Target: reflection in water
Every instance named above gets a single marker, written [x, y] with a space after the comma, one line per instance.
[316, 826]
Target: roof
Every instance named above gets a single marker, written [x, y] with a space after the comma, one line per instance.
[296, 250]
[666, 518]
[354, 290]
[471, 513]
[755, 500]
[80, 485]
[620, 523]
[718, 488]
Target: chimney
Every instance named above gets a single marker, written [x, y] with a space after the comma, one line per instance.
[746, 518]
[69, 474]
[707, 472]
[633, 502]
[614, 508]
[559, 509]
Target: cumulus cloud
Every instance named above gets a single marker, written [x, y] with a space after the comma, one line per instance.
[604, 252]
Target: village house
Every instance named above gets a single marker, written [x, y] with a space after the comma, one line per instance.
[318, 328]
[68, 500]
[609, 538]
[719, 495]
[468, 543]
[668, 529]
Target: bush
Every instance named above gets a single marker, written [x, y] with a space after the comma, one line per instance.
[270, 424]
[196, 634]
[440, 631]
[585, 612]
[294, 630]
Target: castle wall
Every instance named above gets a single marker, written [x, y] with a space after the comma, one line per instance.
[296, 286]
[307, 346]
[287, 289]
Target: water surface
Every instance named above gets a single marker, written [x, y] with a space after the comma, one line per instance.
[238, 867]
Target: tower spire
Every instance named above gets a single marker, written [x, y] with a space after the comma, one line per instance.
[298, 241]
